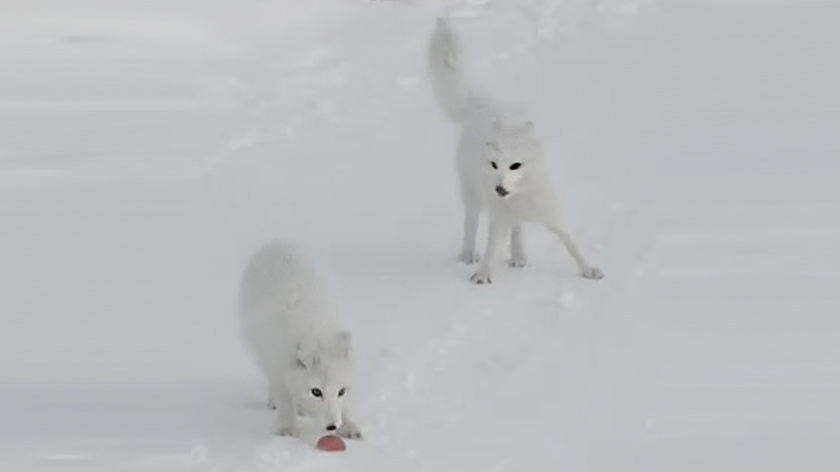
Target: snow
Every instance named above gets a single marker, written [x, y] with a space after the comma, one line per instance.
[149, 147]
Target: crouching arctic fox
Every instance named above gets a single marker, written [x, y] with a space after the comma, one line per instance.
[499, 161]
[291, 325]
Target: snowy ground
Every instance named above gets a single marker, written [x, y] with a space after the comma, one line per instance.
[149, 147]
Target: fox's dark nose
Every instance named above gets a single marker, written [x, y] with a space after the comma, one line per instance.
[501, 191]
[331, 427]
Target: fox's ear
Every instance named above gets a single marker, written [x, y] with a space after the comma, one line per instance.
[442, 23]
[306, 356]
[534, 146]
[497, 125]
[528, 127]
[343, 344]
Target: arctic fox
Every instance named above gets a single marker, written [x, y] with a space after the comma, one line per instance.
[499, 162]
[290, 324]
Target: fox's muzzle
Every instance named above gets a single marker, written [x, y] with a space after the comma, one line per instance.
[501, 191]
[334, 419]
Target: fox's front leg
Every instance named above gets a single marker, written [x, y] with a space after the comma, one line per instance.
[286, 415]
[269, 402]
[517, 247]
[497, 232]
[348, 428]
[587, 270]
[468, 254]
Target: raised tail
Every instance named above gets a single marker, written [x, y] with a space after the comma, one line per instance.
[445, 71]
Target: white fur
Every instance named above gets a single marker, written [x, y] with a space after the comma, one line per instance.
[290, 324]
[494, 136]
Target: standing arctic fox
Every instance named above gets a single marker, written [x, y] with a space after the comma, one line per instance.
[499, 161]
[290, 324]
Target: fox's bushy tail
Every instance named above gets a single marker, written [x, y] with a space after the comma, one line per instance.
[445, 71]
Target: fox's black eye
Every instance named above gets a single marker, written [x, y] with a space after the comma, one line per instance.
[317, 393]
[515, 165]
[342, 392]
[493, 163]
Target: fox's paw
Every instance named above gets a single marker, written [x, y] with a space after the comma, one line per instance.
[469, 257]
[349, 431]
[592, 273]
[518, 261]
[481, 278]
[286, 430]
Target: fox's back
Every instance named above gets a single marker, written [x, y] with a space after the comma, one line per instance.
[282, 298]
